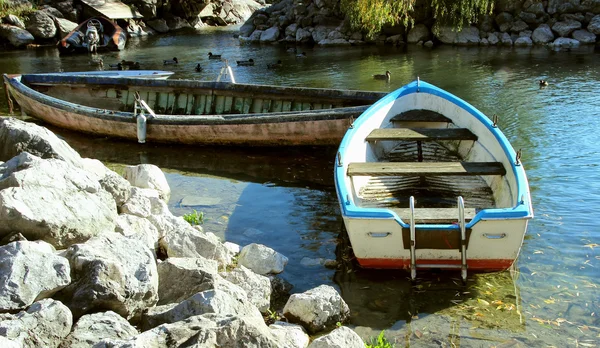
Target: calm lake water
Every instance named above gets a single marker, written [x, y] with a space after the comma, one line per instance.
[284, 198]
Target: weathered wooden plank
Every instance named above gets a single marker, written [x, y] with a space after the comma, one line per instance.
[189, 107]
[228, 104]
[277, 106]
[420, 116]
[425, 168]
[434, 215]
[238, 105]
[257, 106]
[208, 106]
[219, 104]
[247, 105]
[421, 134]
[266, 107]
[287, 105]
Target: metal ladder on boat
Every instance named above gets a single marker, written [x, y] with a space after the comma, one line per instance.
[139, 109]
[226, 70]
[463, 242]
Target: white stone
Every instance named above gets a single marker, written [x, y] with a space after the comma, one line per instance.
[290, 335]
[112, 272]
[257, 287]
[137, 228]
[270, 35]
[45, 322]
[317, 309]
[262, 259]
[148, 176]
[93, 328]
[179, 278]
[342, 337]
[30, 271]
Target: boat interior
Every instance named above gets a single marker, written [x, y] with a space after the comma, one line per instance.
[434, 156]
[181, 97]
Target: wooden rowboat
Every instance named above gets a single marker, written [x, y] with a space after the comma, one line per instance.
[425, 180]
[110, 37]
[145, 74]
[190, 112]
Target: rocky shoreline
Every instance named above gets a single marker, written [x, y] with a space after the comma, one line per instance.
[93, 258]
[556, 23]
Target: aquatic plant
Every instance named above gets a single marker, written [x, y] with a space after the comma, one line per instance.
[194, 218]
[379, 342]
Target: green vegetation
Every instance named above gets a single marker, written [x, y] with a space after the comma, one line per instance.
[371, 16]
[21, 10]
[379, 342]
[195, 218]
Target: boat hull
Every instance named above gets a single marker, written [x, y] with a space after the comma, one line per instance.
[292, 128]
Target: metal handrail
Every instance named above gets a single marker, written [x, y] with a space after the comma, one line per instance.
[226, 70]
[463, 238]
[413, 237]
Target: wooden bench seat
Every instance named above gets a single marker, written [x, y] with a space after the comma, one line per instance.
[434, 215]
[425, 168]
[421, 134]
[420, 116]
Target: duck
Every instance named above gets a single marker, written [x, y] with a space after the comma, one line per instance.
[249, 62]
[292, 50]
[213, 56]
[301, 55]
[127, 62]
[198, 68]
[385, 76]
[274, 65]
[172, 61]
[135, 66]
[543, 83]
[117, 66]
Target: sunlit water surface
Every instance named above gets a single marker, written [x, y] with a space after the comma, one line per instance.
[284, 198]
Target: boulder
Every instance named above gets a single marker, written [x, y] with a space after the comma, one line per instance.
[30, 271]
[542, 34]
[17, 37]
[563, 42]
[54, 201]
[51, 11]
[41, 25]
[177, 23]
[291, 30]
[523, 41]
[341, 337]
[317, 309]
[506, 39]
[594, 26]
[584, 36]
[181, 277]
[493, 38]
[180, 239]
[17, 136]
[209, 301]
[257, 287]
[247, 28]
[138, 29]
[139, 229]
[467, 37]
[419, 32]
[111, 272]
[321, 32]
[144, 203]
[518, 26]
[148, 176]
[14, 21]
[270, 35]
[45, 323]
[565, 28]
[93, 328]
[207, 330]
[290, 335]
[64, 26]
[262, 259]
[303, 35]
[116, 185]
[334, 42]
[159, 25]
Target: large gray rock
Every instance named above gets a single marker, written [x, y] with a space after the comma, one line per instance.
[563, 42]
[45, 323]
[116, 185]
[303, 35]
[144, 203]
[54, 201]
[64, 26]
[257, 286]
[492, 38]
[209, 301]
[321, 32]
[93, 328]
[16, 36]
[594, 26]
[159, 25]
[290, 335]
[17, 136]
[584, 36]
[419, 32]
[523, 41]
[519, 26]
[180, 278]
[270, 35]
[14, 20]
[41, 25]
[148, 176]
[207, 330]
[467, 37]
[30, 271]
[180, 239]
[565, 28]
[262, 259]
[177, 23]
[317, 309]
[111, 272]
[139, 229]
[342, 337]
[542, 34]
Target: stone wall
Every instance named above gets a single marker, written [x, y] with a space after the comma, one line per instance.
[560, 23]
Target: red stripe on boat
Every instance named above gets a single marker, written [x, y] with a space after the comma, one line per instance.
[482, 265]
